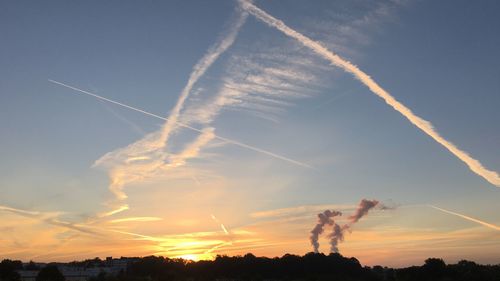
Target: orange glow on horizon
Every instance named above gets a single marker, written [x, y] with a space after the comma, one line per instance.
[196, 257]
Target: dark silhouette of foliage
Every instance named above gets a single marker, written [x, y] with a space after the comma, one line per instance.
[50, 273]
[95, 262]
[8, 270]
[310, 267]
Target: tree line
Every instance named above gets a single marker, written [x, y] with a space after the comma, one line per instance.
[310, 267]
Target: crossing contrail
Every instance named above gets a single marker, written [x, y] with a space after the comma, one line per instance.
[424, 125]
[492, 226]
[234, 142]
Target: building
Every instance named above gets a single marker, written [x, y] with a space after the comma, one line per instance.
[28, 275]
[79, 273]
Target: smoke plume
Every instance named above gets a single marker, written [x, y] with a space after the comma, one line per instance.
[362, 210]
[337, 234]
[324, 218]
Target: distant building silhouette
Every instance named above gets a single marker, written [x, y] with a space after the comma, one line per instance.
[81, 271]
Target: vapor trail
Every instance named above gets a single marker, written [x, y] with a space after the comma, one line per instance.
[124, 207]
[220, 223]
[136, 219]
[49, 219]
[234, 142]
[226, 232]
[198, 70]
[492, 226]
[152, 147]
[425, 126]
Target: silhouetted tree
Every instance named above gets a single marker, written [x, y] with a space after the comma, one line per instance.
[31, 266]
[434, 269]
[50, 273]
[8, 270]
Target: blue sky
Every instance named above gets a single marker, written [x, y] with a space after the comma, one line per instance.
[266, 90]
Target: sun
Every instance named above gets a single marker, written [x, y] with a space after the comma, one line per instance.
[196, 257]
[191, 257]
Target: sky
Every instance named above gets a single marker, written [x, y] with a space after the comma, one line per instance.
[202, 128]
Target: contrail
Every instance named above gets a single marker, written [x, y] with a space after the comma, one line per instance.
[220, 223]
[48, 219]
[198, 70]
[234, 142]
[492, 226]
[226, 232]
[425, 126]
[136, 219]
[120, 172]
[116, 210]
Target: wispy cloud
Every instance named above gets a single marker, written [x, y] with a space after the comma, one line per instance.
[424, 125]
[49, 241]
[263, 83]
[49, 218]
[193, 149]
[299, 211]
[271, 74]
[394, 243]
[136, 219]
[346, 24]
[152, 148]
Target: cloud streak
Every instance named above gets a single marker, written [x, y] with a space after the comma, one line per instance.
[263, 83]
[198, 70]
[489, 225]
[473, 164]
[298, 211]
[220, 223]
[136, 219]
[49, 218]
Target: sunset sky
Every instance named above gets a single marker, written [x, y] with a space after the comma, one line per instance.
[229, 125]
